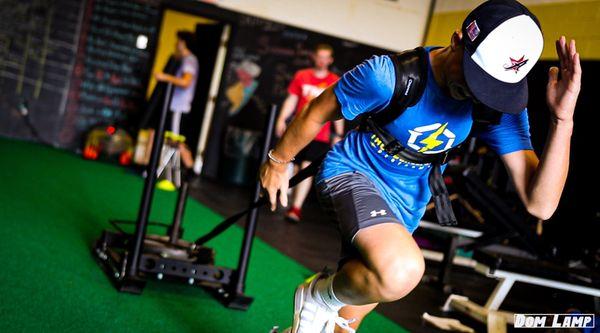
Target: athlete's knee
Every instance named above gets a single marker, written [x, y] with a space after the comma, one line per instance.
[399, 276]
[394, 259]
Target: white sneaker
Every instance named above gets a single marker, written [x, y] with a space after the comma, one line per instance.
[310, 316]
[341, 322]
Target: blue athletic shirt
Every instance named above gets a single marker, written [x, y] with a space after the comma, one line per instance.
[435, 124]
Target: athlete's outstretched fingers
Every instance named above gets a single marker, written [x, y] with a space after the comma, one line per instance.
[559, 52]
[576, 68]
[283, 195]
[552, 75]
[272, 197]
[562, 42]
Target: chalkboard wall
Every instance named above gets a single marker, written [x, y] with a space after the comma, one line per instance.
[74, 63]
[38, 42]
[108, 82]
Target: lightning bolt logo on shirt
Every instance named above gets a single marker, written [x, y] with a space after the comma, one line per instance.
[432, 141]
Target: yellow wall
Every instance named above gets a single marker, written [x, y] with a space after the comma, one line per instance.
[173, 21]
[579, 20]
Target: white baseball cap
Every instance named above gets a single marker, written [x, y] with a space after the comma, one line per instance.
[503, 40]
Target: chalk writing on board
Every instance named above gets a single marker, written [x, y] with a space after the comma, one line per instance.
[107, 84]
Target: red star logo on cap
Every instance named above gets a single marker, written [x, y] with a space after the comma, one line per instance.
[516, 64]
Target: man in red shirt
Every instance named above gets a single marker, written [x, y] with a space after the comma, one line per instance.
[307, 84]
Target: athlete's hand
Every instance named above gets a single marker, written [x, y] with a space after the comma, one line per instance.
[274, 177]
[280, 128]
[561, 94]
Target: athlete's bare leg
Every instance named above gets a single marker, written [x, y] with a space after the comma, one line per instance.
[389, 267]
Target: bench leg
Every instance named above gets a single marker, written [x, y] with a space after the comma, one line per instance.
[496, 322]
[499, 293]
[446, 264]
[483, 315]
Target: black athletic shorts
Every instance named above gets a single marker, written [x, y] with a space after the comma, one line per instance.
[314, 150]
[354, 203]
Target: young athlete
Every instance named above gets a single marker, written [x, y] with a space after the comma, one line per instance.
[378, 199]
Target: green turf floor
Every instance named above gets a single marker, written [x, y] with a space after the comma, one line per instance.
[53, 205]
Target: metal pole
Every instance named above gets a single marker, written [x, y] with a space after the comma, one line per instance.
[146, 202]
[179, 209]
[250, 229]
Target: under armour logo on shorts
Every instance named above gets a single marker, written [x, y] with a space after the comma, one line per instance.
[375, 213]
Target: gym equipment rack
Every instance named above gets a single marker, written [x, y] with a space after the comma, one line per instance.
[130, 260]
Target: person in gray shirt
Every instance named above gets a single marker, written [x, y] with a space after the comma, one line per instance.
[184, 81]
